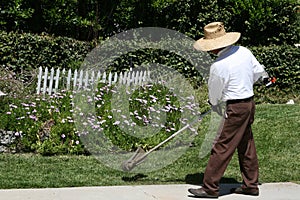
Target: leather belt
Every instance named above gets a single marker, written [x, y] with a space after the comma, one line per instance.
[232, 101]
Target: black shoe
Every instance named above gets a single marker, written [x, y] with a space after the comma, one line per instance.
[203, 194]
[245, 190]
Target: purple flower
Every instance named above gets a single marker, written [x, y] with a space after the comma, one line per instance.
[63, 135]
[96, 126]
[13, 106]
[24, 104]
[33, 117]
[101, 122]
[17, 134]
[138, 117]
[123, 116]
[116, 123]
[33, 104]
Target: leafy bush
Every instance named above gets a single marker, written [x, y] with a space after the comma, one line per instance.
[264, 22]
[260, 22]
[283, 63]
[21, 53]
[45, 125]
[42, 124]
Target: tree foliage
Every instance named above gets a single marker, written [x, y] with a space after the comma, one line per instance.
[261, 22]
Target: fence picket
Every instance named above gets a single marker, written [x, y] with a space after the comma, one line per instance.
[51, 81]
[38, 89]
[74, 79]
[98, 75]
[109, 78]
[68, 79]
[92, 79]
[115, 78]
[45, 80]
[56, 80]
[86, 79]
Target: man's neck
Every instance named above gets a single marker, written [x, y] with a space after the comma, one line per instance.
[222, 50]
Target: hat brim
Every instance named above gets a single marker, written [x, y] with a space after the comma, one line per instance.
[217, 43]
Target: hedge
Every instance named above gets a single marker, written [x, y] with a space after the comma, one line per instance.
[283, 63]
[21, 52]
[27, 52]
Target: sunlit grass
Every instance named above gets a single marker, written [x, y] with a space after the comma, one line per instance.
[276, 132]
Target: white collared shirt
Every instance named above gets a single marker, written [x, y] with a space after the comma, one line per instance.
[233, 74]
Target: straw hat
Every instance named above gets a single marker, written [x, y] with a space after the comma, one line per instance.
[215, 37]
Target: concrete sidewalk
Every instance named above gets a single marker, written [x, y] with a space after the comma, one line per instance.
[268, 191]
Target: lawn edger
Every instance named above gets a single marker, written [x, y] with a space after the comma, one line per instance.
[140, 154]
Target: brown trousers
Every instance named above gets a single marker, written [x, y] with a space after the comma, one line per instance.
[235, 134]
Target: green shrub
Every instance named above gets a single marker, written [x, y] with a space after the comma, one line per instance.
[264, 22]
[42, 124]
[131, 117]
[281, 62]
[260, 22]
[45, 125]
[22, 53]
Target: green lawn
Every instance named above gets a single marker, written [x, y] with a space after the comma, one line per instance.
[277, 135]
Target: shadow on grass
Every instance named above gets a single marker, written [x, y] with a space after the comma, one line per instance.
[133, 178]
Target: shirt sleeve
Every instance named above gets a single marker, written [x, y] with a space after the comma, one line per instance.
[216, 84]
[258, 70]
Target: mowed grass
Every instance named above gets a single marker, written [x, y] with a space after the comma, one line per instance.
[276, 131]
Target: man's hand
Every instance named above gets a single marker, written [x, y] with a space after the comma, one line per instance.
[216, 108]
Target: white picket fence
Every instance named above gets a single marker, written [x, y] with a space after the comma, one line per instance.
[51, 80]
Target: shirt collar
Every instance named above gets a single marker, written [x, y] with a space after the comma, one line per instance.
[223, 50]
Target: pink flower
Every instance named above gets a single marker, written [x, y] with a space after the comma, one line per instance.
[17, 134]
[33, 117]
[116, 123]
[13, 106]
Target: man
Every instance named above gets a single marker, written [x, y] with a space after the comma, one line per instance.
[231, 80]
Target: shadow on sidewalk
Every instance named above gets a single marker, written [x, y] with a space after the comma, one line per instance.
[225, 184]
